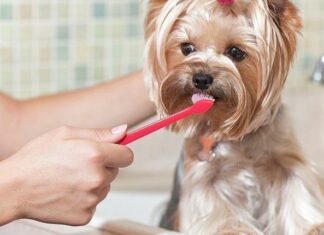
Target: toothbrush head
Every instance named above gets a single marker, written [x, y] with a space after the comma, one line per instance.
[202, 103]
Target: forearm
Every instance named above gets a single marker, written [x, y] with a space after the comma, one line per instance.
[123, 100]
[9, 124]
[9, 188]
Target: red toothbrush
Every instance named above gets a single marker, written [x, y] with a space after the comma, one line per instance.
[201, 104]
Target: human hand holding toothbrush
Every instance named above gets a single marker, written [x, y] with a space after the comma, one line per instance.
[61, 176]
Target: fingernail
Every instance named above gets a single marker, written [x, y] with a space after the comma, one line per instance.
[119, 129]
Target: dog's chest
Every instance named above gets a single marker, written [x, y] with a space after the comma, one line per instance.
[236, 171]
[230, 177]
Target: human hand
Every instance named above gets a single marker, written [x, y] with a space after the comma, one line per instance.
[61, 176]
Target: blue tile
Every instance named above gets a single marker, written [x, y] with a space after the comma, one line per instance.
[99, 10]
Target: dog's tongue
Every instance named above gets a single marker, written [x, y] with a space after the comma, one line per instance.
[225, 2]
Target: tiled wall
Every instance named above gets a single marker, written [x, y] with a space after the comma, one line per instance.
[311, 43]
[53, 45]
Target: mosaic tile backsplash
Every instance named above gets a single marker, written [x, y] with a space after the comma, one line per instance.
[48, 46]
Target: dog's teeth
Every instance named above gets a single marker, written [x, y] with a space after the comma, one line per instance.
[197, 97]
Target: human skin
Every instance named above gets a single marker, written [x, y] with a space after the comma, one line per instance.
[55, 173]
[109, 104]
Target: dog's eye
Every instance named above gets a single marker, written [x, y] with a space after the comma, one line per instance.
[187, 48]
[235, 54]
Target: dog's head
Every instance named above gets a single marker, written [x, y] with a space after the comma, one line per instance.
[239, 53]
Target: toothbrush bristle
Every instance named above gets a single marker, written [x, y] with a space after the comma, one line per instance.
[202, 103]
[198, 97]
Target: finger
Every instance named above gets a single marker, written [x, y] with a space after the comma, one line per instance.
[102, 194]
[111, 174]
[116, 156]
[100, 135]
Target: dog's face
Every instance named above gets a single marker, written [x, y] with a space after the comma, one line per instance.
[239, 54]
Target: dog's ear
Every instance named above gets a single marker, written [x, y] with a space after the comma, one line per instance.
[153, 9]
[287, 18]
[283, 11]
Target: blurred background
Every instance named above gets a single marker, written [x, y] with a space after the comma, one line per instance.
[49, 46]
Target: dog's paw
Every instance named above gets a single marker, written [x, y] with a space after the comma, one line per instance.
[317, 230]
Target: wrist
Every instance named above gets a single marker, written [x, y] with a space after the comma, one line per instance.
[9, 189]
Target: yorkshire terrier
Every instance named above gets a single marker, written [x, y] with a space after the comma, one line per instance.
[242, 171]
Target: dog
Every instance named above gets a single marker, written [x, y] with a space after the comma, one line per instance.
[242, 171]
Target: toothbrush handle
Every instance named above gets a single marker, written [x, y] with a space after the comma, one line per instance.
[144, 131]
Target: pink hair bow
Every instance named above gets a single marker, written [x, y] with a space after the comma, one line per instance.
[225, 2]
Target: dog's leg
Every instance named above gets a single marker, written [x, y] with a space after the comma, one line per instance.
[170, 218]
[295, 200]
[219, 202]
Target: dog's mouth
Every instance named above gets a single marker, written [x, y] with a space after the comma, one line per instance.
[176, 95]
[217, 94]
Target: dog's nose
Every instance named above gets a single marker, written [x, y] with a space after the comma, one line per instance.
[202, 81]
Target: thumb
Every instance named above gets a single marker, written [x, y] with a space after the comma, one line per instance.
[117, 133]
[101, 135]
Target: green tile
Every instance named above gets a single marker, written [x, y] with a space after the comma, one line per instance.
[81, 31]
[63, 10]
[7, 33]
[62, 53]
[45, 77]
[82, 10]
[99, 53]
[135, 51]
[6, 11]
[45, 74]
[63, 32]
[117, 10]
[117, 50]
[135, 66]
[99, 73]
[25, 76]
[45, 11]
[26, 54]
[100, 31]
[6, 76]
[63, 78]
[26, 33]
[133, 30]
[133, 9]
[81, 75]
[99, 10]
[115, 30]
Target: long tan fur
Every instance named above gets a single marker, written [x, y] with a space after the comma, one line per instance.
[258, 181]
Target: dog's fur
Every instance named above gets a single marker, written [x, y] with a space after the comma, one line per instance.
[258, 181]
